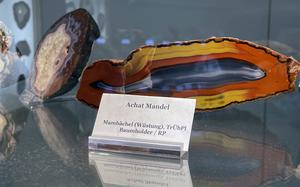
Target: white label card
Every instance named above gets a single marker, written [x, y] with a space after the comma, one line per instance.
[153, 119]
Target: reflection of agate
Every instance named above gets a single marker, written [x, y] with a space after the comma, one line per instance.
[225, 147]
[3, 123]
[298, 172]
[7, 141]
[209, 74]
[225, 166]
[13, 116]
[54, 131]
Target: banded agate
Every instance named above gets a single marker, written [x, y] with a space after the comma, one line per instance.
[62, 54]
[216, 72]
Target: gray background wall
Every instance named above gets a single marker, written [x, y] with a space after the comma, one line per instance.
[167, 20]
[172, 20]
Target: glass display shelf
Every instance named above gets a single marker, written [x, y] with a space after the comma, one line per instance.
[250, 144]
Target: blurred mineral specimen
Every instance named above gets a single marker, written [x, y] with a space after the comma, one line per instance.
[5, 38]
[11, 65]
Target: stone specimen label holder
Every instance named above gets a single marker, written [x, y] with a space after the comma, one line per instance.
[131, 146]
[143, 125]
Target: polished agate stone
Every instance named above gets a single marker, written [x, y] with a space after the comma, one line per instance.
[216, 72]
[62, 53]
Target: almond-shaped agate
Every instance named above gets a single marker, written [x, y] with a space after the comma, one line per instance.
[216, 72]
[62, 54]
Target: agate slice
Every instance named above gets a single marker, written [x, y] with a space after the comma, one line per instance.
[62, 53]
[216, 72]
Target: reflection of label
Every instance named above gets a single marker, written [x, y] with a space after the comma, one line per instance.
[119, 170]
[221, 140]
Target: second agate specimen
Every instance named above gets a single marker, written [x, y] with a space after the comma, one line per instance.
[216, 72]
[62, 53]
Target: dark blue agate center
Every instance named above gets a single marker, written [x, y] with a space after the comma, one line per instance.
[196, 75]
[204, 75]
